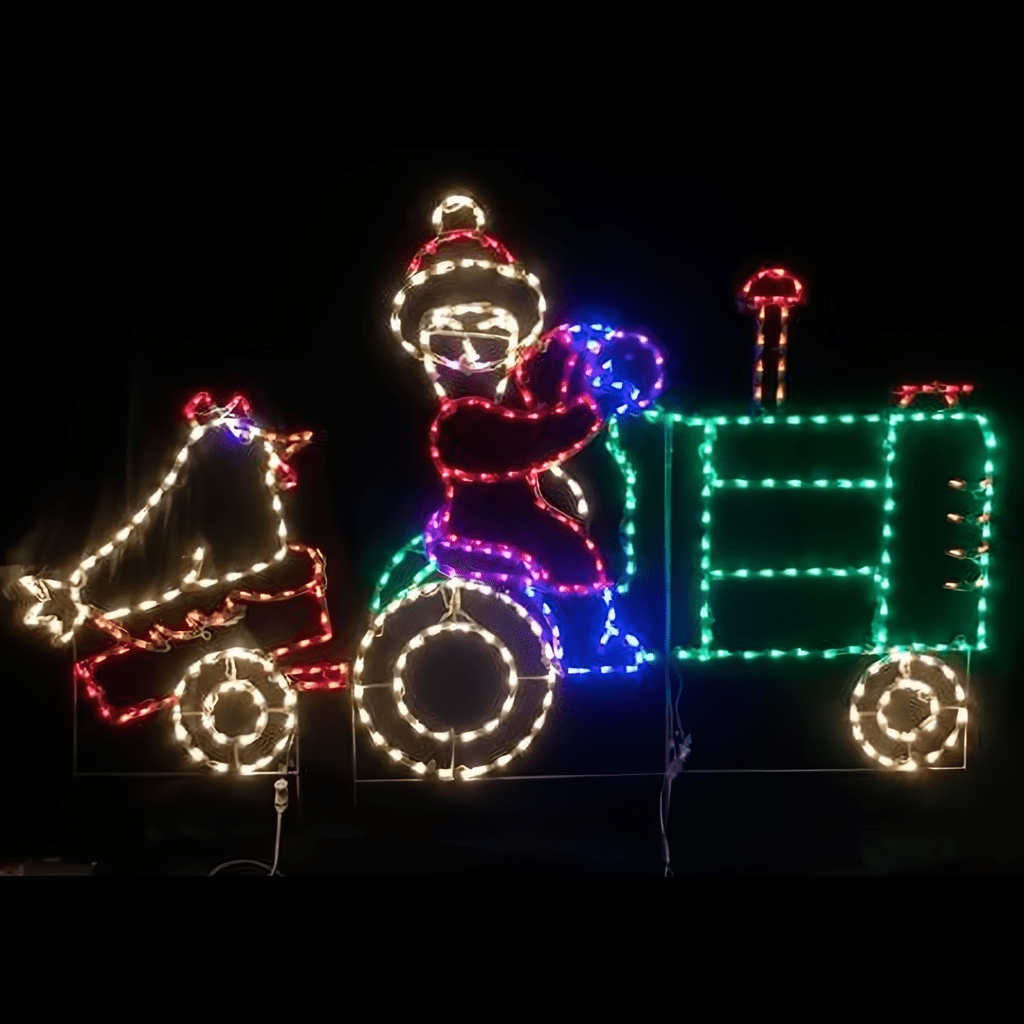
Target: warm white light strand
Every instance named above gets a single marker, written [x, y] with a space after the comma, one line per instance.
[203, 722]
[191, 582]
[395, 752]
[907, 744]
[451, 318]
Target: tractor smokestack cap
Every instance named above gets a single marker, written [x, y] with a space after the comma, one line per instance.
[772, 286]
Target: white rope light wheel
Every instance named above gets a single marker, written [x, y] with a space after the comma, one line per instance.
[908, 712]
[254, 683]
[418, 624]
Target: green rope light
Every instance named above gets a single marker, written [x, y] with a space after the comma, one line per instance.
[628, 527]
[415, 545]
[706, 451]
[880, 573]
[694, 654]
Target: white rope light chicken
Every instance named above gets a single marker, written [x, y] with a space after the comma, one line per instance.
[62, 606]
[234, 417]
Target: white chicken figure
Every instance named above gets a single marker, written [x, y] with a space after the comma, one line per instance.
[62, 606]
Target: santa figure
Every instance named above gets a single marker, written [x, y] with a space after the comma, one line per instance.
[515, 405]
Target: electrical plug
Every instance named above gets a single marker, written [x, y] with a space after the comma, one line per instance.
[281, 795]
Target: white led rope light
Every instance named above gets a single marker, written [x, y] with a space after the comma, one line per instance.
[79, 578]
[514, 272]
[446, 316]
[450, 318]
[907, 746]
[447, 319]
[234, 686]
[452, 204]
[582, 509]
[395, 752]
[418, 641]
[232, 749]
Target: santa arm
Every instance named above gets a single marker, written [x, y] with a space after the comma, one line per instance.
[473, 439]
[553, 376]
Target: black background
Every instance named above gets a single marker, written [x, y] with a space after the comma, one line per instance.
[137, 277]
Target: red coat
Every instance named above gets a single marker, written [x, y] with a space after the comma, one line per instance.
[490, 455]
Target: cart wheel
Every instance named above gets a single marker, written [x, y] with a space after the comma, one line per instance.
[908, 711]
[444, 623]
[235, 712]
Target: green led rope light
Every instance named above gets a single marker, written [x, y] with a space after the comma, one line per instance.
[879, 630]
[706, 450]
[628, 527]
[415, 545]
[845, 485]
[880, 573]
[719, 574]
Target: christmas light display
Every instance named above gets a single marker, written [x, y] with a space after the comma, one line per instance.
[516, 405]
[594, 386]
[601, 373]
[63, 623]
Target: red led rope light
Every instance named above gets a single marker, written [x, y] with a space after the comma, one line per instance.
[459, 235]
[440, 534]
[950, 393]
[324, 676]
[519, 373]
[439, 531]
[774, 277]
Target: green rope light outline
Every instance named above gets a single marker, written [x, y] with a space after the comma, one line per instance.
[881, 574]
[416, 544]
[627, 528]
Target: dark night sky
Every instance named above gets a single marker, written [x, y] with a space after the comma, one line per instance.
[137, 277]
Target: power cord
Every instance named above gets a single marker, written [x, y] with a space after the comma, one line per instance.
[280, 805]
[676, 758]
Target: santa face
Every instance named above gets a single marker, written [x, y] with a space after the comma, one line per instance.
[469, 348]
